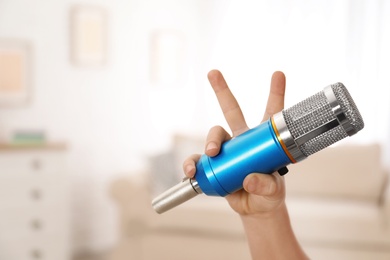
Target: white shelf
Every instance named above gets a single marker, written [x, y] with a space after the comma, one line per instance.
[34, 202]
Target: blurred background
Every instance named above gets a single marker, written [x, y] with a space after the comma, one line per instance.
[90, 91]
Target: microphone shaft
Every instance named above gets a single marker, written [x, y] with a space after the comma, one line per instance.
[256, 150]
[185, 190]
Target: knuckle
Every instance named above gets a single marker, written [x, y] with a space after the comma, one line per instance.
[216, 129]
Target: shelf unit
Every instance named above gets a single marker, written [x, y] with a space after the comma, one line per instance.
[34, 202]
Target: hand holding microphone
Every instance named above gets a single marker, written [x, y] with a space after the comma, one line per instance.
[270, 188]
[262, 192]
[288, 136]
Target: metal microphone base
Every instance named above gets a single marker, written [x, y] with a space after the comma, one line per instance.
[176, 195]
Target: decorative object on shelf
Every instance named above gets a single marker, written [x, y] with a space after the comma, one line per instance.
[15, 74]
[28, 137]
[88, 28]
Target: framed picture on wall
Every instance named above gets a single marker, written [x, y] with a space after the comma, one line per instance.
[88, 35]
[15, 72]
[168, 58]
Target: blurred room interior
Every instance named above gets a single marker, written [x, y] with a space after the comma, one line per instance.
[100, 101]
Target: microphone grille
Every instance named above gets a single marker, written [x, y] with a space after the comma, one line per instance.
[348, 106]
[316, 112]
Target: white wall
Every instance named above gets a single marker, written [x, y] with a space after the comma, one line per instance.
[112, 116]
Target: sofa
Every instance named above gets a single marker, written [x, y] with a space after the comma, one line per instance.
[338, 201]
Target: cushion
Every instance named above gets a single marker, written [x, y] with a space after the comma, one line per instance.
[344, 171]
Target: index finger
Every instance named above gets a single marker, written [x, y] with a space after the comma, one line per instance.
[228, 103]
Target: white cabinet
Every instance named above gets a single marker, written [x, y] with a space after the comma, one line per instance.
[34, 203]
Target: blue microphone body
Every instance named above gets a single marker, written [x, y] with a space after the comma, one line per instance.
[256, 150]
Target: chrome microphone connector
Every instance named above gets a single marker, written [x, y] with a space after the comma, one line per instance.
[185, 190]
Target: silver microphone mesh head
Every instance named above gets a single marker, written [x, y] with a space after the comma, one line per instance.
[323, 119]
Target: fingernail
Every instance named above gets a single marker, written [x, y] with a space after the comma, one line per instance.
[211, 146]
[251, 187]
[189, 170]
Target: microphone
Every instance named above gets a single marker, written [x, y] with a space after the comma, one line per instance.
[289, 136]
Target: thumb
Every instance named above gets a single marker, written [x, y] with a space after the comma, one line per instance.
[261, 184]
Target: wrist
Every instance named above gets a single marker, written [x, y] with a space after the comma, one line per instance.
[265, 232]
[276, 211]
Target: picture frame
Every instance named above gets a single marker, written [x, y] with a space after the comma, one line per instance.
[168, 58]
[88, 35]
[15, 72]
